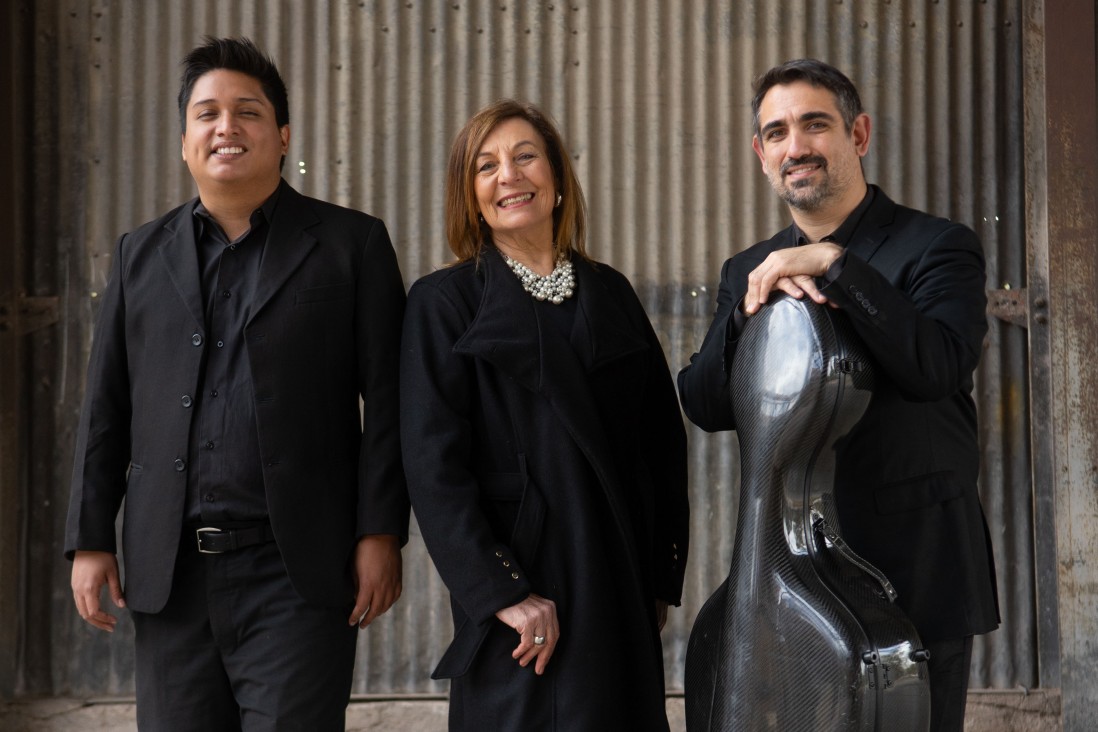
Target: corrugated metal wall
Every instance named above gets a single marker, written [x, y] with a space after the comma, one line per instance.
[653, 99]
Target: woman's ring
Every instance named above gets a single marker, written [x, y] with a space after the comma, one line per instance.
[539, 640]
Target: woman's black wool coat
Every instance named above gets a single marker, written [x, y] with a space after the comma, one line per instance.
[545, 464]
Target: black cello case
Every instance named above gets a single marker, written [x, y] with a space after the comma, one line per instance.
[803, 634]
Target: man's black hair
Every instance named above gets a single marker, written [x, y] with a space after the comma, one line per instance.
[816, 73]
[233, 54]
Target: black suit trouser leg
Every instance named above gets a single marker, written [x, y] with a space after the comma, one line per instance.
[948, 669]
[236, 648]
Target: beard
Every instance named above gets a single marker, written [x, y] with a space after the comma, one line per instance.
[804, 195]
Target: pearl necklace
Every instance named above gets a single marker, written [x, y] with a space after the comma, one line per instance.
[555, 287]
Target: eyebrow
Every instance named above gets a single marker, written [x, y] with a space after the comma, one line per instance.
[200, 102]
[806, 117]
[518, 144]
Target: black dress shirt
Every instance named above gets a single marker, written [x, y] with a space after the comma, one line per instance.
[225, 483]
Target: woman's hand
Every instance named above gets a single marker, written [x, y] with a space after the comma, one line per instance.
[534, 619]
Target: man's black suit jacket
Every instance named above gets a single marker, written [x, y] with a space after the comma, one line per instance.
[913, 288]
[325, 329]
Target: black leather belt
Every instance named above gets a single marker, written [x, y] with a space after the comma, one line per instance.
[214, 540]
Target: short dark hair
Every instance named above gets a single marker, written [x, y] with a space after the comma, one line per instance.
[233, 54]
[818, 74]
[465, 231]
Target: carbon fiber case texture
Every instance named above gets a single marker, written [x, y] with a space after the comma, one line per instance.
[803, 634]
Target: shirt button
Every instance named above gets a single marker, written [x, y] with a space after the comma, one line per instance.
[208, 497]
[499, 554]
[180, 466]
[506, 563]
[186, 400]
[514, 575]
[213, 393]
[232, 247]
[196, 339]
[226, 294]
[209, 445]
[221, 344]
[872, 310]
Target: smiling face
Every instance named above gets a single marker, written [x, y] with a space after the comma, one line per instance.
[232, 141]
[515, 186]
[812, 161]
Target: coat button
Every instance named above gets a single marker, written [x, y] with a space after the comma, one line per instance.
[871, 310]
[514, 575]
[506, 563]
[186, 400]
[499, 554]
[180, 466]
[196, 339]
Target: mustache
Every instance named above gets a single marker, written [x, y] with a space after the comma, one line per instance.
[805, 160]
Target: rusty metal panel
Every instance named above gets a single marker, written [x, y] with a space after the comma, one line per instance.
[1062, 125]
[653, 100]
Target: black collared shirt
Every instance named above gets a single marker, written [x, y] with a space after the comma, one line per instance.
[841, 235]
[225, 482]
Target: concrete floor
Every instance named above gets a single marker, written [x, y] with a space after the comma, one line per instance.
[67, 715]
[988, 711]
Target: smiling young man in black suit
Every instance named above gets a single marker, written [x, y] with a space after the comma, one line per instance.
[264, 512]
[913, 288]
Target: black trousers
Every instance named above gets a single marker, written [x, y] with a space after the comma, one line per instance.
[236, 648]
[948, 670]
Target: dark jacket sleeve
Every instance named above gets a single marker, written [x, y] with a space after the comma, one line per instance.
[926, 330]
[437, 393]
[703, 383]
[103, 438]
[664, 449]
[383, 506]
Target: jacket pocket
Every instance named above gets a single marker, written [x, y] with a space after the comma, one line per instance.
[515, 510]
[325, 293]
[917, 493]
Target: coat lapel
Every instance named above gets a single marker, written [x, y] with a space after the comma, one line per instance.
[504, 330]
[180, 256]
[288, 244]
[602, 332]
[873, 229]
[507, 333]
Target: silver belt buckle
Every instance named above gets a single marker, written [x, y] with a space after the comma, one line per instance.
[198, 538]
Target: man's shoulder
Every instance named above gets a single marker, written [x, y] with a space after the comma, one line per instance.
[328, 212]
[905, 219]
[162, 223]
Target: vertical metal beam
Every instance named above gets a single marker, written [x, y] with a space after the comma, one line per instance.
[1040, 360]
[1062, 158]
[12, 356]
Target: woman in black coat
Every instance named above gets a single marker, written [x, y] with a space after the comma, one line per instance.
[544, 448]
